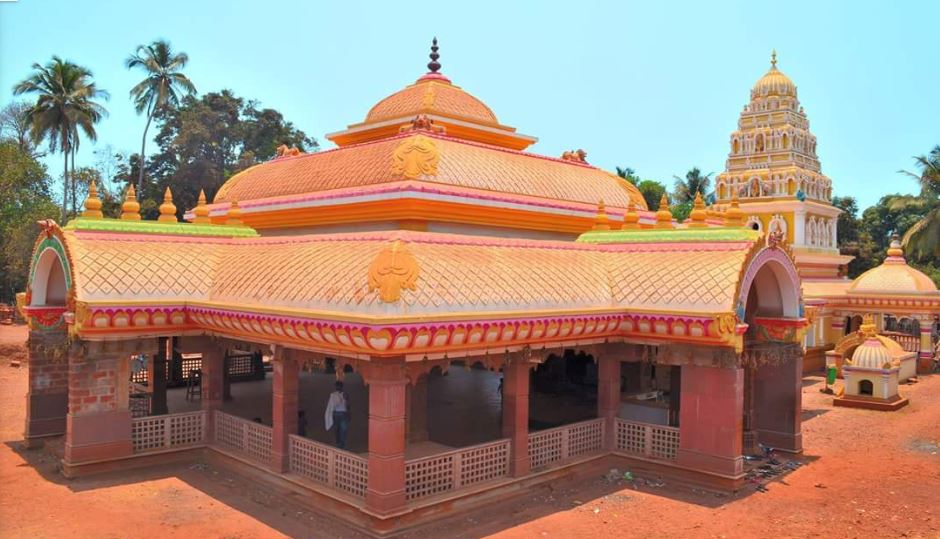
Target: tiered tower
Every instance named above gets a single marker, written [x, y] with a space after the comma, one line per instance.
[774, 169]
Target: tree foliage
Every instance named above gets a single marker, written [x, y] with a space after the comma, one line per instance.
[652, 191]
[693, 182]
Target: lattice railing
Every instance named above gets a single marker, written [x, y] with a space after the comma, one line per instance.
[452, 470]
[647, 440]
[562, 443]
[252, 439]
[168, 431]
[329, 466]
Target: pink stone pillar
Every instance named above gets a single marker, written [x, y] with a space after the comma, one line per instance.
[608, 397]
[48, 374]
[925, 355]
[286, 376]
[212, 365]
[777, 395]
[516, 415]
[386, 487]
[98, 425]
[711, 421]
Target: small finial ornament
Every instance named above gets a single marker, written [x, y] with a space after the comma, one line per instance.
[631, 219]
[773, 59]
[895, 250]
[130, 209]
[733, 215]
[698, 215]
[601, 222]
[234, 216]
[201, 211]
[663, 215]
[167, 209]
[92, 203]
[434, 66]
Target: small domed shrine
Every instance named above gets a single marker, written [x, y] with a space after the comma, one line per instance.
[871, 376]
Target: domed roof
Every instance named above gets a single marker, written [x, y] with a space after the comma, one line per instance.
[774, 82]
[871, 354]
[894, 275]
[432, 94]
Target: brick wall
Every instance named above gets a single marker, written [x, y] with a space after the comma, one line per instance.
[48, 362]
[93, 384]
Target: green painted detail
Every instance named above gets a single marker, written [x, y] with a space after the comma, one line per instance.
[676, 235]
[156, 227]
[53, 243]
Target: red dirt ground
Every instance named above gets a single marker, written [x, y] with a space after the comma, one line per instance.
[866, 474]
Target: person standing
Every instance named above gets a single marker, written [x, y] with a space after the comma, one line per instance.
[337, 411]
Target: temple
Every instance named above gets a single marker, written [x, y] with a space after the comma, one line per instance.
[449, 278]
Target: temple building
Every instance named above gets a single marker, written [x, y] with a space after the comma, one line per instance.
[774, 170]
[498, 318]
[872, 374]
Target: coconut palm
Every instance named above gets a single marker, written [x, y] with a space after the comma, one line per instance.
[65, 107]
[162, 87]
[694, 182]
[923, 238]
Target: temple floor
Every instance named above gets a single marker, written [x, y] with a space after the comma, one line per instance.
[464, 408]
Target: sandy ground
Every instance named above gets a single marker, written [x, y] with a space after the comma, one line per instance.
[865, 474]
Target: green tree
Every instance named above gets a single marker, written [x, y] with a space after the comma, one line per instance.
[204, 141]
[14, 125]
[628, 174]
[163, 86]
[652, 191]
[680, 212]
[65, 106]
[24, 199]
[922, 239]
[694, 182]
[847, 227]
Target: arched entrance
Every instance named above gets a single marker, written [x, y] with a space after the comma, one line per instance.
[773, 356]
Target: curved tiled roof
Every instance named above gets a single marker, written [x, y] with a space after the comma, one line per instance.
[466, 165]
[432, 96]
[893, 276]
[329, 273]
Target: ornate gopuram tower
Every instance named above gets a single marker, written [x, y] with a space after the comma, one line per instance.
[774, 169]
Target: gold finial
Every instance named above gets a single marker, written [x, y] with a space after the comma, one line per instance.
[167, 209]
[867, 328]
[895, 250]
[631, 219]
[234, 216]
[664, 215]
[773, 59]
[601, 222]
[92, 203]
[130, 209]
[698, 215]
[201, 211]
[733, 215]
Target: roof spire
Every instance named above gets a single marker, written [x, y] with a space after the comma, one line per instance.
[698, 215]
[601, 222]
[92, 203]
[664, 215]
[201, 211]
[434, 66]
[631, 219]
[130, 209]
[895, 250]
[167, 209]
[773, 59]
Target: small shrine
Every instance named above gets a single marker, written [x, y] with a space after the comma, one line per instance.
[871, 376]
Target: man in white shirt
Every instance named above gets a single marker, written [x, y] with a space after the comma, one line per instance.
[337, 411]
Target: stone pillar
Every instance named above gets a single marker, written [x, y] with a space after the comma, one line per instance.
[516, 415]
[711, 421]
[778, 401]
[799, 227]
[608, 397]
[98, 425]
[284, 398]
[386, 489]
[925, 356]
[417, 407]
[47, 399]
[158, 382]
[212, 364]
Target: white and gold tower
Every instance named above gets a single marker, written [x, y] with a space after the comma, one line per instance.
[774, 169]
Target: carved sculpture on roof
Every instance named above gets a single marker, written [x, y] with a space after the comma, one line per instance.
[392, 270]
[576, 156]
[421, 122]
[284, 151]
[774, 239]
[415, 157]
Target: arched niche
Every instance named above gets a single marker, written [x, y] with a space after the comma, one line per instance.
[771, 287]
[49, 285]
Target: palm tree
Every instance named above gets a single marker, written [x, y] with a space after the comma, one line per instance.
[922, 239]
[628, 174]
[694, 182]
[65, 106]
[163, 86]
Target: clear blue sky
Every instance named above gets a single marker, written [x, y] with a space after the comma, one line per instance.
[653, 85]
